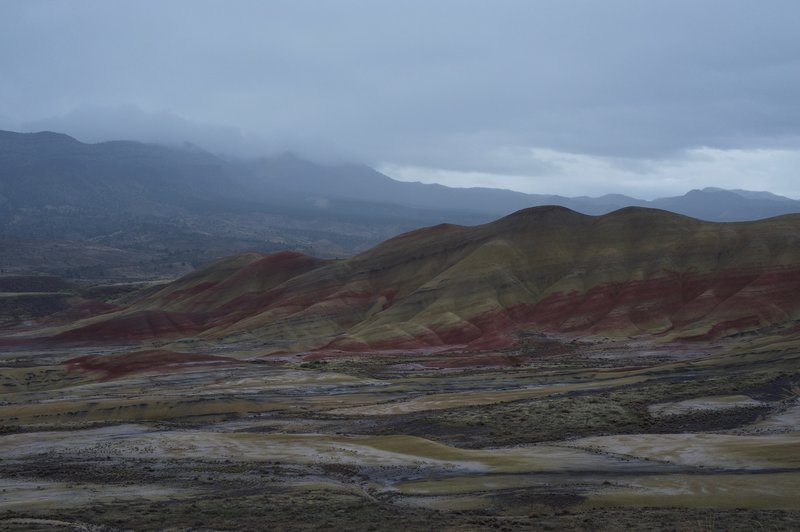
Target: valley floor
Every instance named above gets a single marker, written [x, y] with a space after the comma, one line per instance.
[557, 435]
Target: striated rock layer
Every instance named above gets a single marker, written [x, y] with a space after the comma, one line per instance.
[629, 273]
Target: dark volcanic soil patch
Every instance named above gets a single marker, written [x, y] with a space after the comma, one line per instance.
[116, 366]
[137, 326]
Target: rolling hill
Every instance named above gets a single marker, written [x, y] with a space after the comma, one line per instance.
[634, 272]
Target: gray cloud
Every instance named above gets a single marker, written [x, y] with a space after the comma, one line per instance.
[458, 85]
[93, 123]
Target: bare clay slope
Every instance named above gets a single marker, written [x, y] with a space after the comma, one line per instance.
[632, 272]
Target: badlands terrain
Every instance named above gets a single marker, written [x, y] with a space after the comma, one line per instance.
[550, 370]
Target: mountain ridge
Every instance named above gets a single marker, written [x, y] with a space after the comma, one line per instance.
[168, 209]
[362, 183]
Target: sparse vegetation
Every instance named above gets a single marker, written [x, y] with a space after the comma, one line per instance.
[259, 445]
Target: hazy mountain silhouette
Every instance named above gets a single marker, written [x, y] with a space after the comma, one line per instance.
[168, 200]
[292, 174]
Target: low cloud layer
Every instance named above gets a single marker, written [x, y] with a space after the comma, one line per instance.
[570, 174]
[572, 97]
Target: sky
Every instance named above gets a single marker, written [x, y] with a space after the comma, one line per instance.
[649, 98]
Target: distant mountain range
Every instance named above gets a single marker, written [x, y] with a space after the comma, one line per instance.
[180, 206]
[362, 183]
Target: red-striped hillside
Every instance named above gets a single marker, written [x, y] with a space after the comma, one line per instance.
[632, 272]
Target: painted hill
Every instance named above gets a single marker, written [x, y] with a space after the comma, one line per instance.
[634, 272]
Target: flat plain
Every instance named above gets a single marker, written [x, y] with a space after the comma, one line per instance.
[597, 434]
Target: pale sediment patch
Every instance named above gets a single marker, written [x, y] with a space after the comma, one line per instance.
[465, 484]
[704, 450]
[19, 446]
[772, 491]
[442, 401]
[364, 451]
[41, 494]
[288, 380]
[785, 420]
[136, 441]
[698, 404]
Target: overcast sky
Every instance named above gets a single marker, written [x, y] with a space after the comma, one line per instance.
[647, 98]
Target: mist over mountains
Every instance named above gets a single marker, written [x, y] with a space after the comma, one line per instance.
[176, 207]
